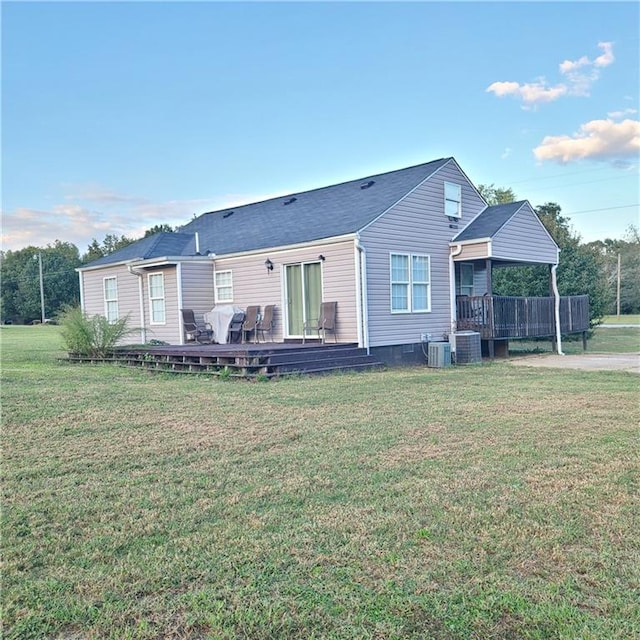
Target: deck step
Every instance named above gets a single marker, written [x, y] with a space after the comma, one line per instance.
[242, 361]
[325, 363]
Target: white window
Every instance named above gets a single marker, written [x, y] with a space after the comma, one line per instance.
[410, 283]
[452, 200]
[420, 297]
[224, 286]
[466, 279]
[111, 299]
[156, 298]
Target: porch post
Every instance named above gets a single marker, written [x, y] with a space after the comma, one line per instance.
[554, 283]
[552, 294]
[488, 271]
[488, 268]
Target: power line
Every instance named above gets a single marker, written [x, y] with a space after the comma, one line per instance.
[622, 206]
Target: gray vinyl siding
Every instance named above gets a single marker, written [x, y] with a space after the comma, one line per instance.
[128, 294]
[197, 287]
[253, 285]
[524, 238]
[169, 331]
[416, 225]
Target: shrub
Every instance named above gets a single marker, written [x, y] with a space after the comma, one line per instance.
[91, 336]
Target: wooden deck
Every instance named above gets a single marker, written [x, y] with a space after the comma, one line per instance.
[504, 317]
[246, 360]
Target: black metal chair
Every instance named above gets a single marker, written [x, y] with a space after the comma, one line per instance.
[201, 332]
[235, 327]
[325, 322]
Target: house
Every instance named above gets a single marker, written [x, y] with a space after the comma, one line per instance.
[395, 250]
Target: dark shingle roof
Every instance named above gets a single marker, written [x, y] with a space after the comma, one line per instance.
[160, 244]
[311, 215]
[489, 222]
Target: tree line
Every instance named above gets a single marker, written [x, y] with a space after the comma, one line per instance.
[607, 270]
[20, 296]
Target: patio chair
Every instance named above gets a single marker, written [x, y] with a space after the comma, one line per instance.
[266, 321]
[325, 322]
[235, 327]
[251, 320]
[201, 332]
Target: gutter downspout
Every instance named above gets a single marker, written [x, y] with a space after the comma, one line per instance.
[361, 299]
[81, 279]
[143, 328]
[452, 294]
[179, 285]
[556, 295]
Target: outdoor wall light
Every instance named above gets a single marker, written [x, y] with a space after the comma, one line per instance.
[321, 257]
[268, 264]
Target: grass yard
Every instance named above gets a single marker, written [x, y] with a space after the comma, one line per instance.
[603, 340]
[622, 319]
[475, 502]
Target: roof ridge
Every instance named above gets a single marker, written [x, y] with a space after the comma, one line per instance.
[329, 186]
[154, 243]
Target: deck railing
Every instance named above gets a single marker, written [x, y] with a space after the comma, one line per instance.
[496, 317]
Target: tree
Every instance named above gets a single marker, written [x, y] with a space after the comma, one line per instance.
[110, 244]
[496, 195]
[158, 228]
[20, 296]
[627, 251]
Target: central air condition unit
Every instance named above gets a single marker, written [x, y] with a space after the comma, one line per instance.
[439, 355]
[468, 347]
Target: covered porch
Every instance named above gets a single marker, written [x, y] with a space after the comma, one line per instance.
[503, 237]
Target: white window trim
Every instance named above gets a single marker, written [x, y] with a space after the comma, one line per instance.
[110, 300]
[426, 283]
[458, 188]
[151, 299]
[409, 284]
[216, 287]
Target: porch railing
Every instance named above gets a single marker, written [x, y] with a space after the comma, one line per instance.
[496, 317]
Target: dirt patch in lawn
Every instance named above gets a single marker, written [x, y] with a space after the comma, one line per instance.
[588, 361]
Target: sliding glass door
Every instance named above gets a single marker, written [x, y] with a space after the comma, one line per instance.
[303, 295]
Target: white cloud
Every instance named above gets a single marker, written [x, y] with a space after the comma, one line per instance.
[94, 213]
[607, 57]
[506, 153]
[616, 115]
[580, 75]
[530, 93]
[606, 140]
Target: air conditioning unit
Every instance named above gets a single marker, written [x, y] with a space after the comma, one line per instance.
[439, 354]
[468, 347]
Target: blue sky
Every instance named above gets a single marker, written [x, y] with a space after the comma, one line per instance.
[120, 116]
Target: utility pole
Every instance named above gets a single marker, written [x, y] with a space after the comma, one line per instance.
[41, 287]
[618, 289]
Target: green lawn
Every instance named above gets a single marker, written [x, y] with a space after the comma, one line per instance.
[463, 503]
[628, 319]
[603, 340]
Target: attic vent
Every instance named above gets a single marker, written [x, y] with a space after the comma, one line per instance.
[366, 185]
[290, 201]
[229, 213]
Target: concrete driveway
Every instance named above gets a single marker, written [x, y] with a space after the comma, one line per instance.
[588, 361]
